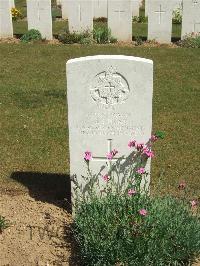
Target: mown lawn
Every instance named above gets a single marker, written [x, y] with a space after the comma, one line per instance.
[33, 113]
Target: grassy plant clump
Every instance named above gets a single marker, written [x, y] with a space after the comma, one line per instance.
[3, 224]
[74, 37]
[137, 230]
[101, 19]
[117, 222]
[140, 19]
[190, 41]
[31, 35]
[102, 34]
[177, 16]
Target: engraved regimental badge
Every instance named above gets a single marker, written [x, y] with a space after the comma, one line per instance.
[109, 88]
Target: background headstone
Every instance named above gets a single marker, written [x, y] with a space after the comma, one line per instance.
[135, 8]
[100, 8]
[109, 104]
[80, 15]
[39, 17]
[65, 8]
[6, 27]
[146, 7]
[176, 4]
[120, 19]
[12, 2]
[160, 20]
[191, 17]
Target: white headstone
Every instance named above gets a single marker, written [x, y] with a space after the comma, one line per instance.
[100, 8]
[6, 27]
[12, 2]
[177, 4]
[191, 17]
[109, 104]
[39, 17]
[146, 7]
[160, 20]
[135, 8]
[80, 15]
[65, 8]
[120, 19]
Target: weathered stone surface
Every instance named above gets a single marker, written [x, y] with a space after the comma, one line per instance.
[100, 8]
[135, 8]
[191, 17]
[80, 15]
[39, 17]
[160, 20]
[120, 19]
[6, 27]
[109, 104]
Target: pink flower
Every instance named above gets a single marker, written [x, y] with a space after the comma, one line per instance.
[88, 156]
[148, 152]
[131, 192]
[153, 138]
[143, 212]
[106, 177]
[111, 154]
[193, 203]
[182, 185]
[141, 170]
[131, 143]
[139, 146]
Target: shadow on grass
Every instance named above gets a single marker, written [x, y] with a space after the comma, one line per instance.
[47, 187]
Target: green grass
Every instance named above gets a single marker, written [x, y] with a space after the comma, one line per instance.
[139, 29]
[33, 113]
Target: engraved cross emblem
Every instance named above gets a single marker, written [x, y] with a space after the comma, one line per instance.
[109, 88]
[160, 12]
[119, 13]
[109, 92]
[39, 9]
[104, 158]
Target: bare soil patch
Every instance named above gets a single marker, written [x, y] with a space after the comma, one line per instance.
[39, 232]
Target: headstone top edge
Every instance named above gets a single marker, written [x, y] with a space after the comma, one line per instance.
[110, 57]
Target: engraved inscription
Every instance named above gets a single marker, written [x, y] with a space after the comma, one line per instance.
[109, 88]
[109, 124]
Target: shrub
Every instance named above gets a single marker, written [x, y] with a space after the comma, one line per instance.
[102, 34]
[16, 14]
[101, 19]
[177, 16]
[31, 35]
[123, 225]
[3, 223]
[138, 41]
[190, 41]
[69, 38]
[140, 19]
[117, 229]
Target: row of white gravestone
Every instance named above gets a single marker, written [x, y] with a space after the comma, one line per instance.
[80, 18]
[160, 19]
[108, 105]
[100, 8]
